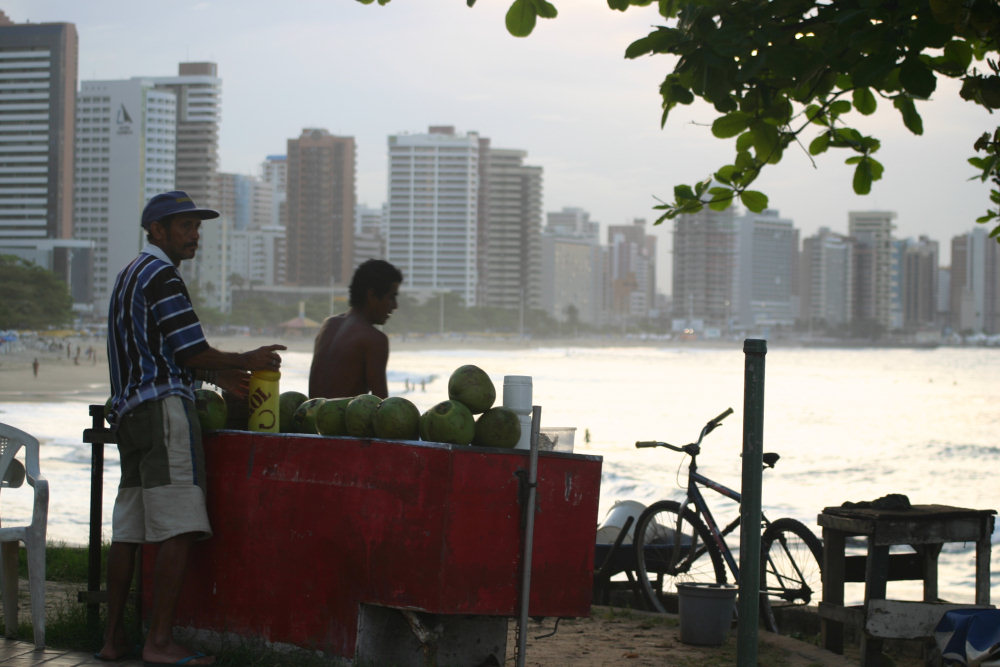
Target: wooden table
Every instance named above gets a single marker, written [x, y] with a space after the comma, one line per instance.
[925, 528]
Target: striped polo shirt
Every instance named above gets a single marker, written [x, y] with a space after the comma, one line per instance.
[152, 330]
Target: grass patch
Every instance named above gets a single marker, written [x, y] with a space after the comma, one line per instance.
[64, 562]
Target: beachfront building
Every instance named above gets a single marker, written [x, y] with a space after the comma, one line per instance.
[125, 142]
[38, 76]
[198, 91]
[571, 263]
[918, 277]
[767, 257]
[321, 199]
[369, 235]
[875, 266]
[975, 283]
[274, 171]
[827, 281]
[510, 224]
[433, 211]
[631, 273]
[704, 269]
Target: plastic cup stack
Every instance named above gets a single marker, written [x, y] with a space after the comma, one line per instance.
[517, 397]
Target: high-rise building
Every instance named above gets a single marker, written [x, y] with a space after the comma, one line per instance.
[572, 263]
[510, 223]
[198, 90]
[369, 238]
[975, 283]
[704, 267]
[874, 266]
[321, 200]
[827, 280]
[38, 70]
[433, 211]
[919, 283]
[124, 155]
[631, 272]
[274, 171]
[768, 261]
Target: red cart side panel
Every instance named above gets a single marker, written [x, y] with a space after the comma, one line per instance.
[306, 528]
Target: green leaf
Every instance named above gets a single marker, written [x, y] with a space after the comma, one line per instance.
[721, 199]
[862, 178]
[730, 125]
[911, 119]
[864, 101]
[765, 140]
[917, 78]
[683, 191]
[840, 107]
[545, 9]
[819, 144]
[754, 200]
[521, 18]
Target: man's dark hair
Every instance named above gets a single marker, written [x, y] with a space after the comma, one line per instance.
[377, 275]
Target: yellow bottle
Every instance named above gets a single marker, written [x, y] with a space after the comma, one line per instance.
[263, 401]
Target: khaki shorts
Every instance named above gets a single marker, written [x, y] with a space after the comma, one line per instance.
[162, 489]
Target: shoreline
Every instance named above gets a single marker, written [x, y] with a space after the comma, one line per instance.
[76, 366]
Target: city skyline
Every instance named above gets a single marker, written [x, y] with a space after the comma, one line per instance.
[565, 95]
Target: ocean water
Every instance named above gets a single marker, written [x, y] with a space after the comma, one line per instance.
[849, 425]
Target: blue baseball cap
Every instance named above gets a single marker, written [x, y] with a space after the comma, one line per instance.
[171, 203]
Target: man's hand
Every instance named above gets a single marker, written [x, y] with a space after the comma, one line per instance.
[264, 358]
[235, 382]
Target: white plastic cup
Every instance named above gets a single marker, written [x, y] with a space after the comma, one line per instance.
[517, 394]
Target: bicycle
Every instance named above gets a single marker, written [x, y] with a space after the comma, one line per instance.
[791, 554]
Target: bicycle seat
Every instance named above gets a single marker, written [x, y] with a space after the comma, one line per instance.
[770, 458]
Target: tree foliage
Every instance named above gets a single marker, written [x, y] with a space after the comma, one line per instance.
[33, 298]
[799, 73]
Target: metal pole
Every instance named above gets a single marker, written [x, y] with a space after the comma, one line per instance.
[529, 533]
[97, 435]
[753, 452]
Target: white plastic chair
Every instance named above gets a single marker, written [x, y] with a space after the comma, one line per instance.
[13, 474]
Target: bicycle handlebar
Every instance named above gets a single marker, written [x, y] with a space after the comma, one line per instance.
[692, 448]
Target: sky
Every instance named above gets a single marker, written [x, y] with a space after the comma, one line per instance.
[566, 95]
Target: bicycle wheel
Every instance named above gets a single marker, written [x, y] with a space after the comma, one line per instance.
[791, 573]
[671, 547]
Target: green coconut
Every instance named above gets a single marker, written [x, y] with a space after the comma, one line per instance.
[448, 421]
[304, 417]
[360, 415]
[497, 427]
[397, 418]
[288, 403]
[472, 387]
[332, 416]
[211, 408]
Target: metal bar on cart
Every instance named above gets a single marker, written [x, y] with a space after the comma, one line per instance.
[529, 534]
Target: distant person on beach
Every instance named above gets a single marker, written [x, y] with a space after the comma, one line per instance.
[156, 351]
[34, 366]
[350, 355]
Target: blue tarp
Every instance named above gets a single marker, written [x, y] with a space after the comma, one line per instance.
[970, 637]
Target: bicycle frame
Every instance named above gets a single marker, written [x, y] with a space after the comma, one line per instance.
[695, 496]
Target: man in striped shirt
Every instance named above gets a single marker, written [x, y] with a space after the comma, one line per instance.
[156, 350]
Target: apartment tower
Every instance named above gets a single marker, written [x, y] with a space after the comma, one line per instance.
[124, 155]
[433, 211]
[321, 200]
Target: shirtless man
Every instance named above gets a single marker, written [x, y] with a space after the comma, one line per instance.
[350, 354]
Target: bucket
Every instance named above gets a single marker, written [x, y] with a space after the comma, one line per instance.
[608, 531]
[706, 612]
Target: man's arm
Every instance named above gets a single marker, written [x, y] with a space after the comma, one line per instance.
[265, 358]
[376, 359]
